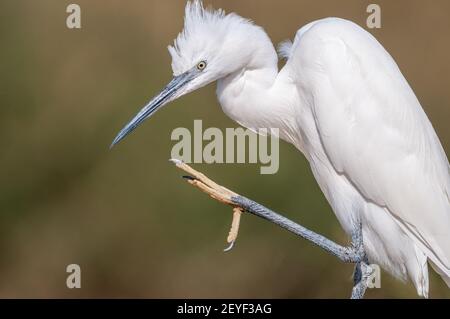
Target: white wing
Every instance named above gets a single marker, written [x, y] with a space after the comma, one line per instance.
[374, 131]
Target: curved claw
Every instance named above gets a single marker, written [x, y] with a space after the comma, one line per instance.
[229, 247]
[232, 235]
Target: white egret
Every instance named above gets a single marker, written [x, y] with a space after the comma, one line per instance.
[342, 101]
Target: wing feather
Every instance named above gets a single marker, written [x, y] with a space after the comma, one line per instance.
[374, 130]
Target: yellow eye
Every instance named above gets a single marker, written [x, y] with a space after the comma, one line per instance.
[201, 65]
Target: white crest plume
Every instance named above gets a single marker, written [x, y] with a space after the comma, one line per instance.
[204, 29]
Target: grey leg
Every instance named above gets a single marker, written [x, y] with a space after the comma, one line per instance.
[360, 278]
[353, 254]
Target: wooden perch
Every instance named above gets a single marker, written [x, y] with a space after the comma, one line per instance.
[352, 254]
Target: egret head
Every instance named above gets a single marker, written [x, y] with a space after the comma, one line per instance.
[211, 46]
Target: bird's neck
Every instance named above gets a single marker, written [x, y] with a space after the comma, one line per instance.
[253, 98]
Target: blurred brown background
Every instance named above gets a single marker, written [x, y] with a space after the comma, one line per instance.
[125, 216]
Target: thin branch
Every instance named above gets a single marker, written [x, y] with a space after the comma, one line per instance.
[352, 254]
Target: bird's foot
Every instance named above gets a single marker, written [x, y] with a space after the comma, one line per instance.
[217, 192]
[352, 254]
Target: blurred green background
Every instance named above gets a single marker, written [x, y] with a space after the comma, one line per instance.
[124, 215]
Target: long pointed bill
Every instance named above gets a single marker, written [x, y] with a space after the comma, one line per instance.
[165, 96]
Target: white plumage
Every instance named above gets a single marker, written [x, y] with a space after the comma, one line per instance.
[374, 151]
[343, 102]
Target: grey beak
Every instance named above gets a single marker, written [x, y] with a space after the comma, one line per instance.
[161, 99]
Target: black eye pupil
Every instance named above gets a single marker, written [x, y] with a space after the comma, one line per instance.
[201, 65]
